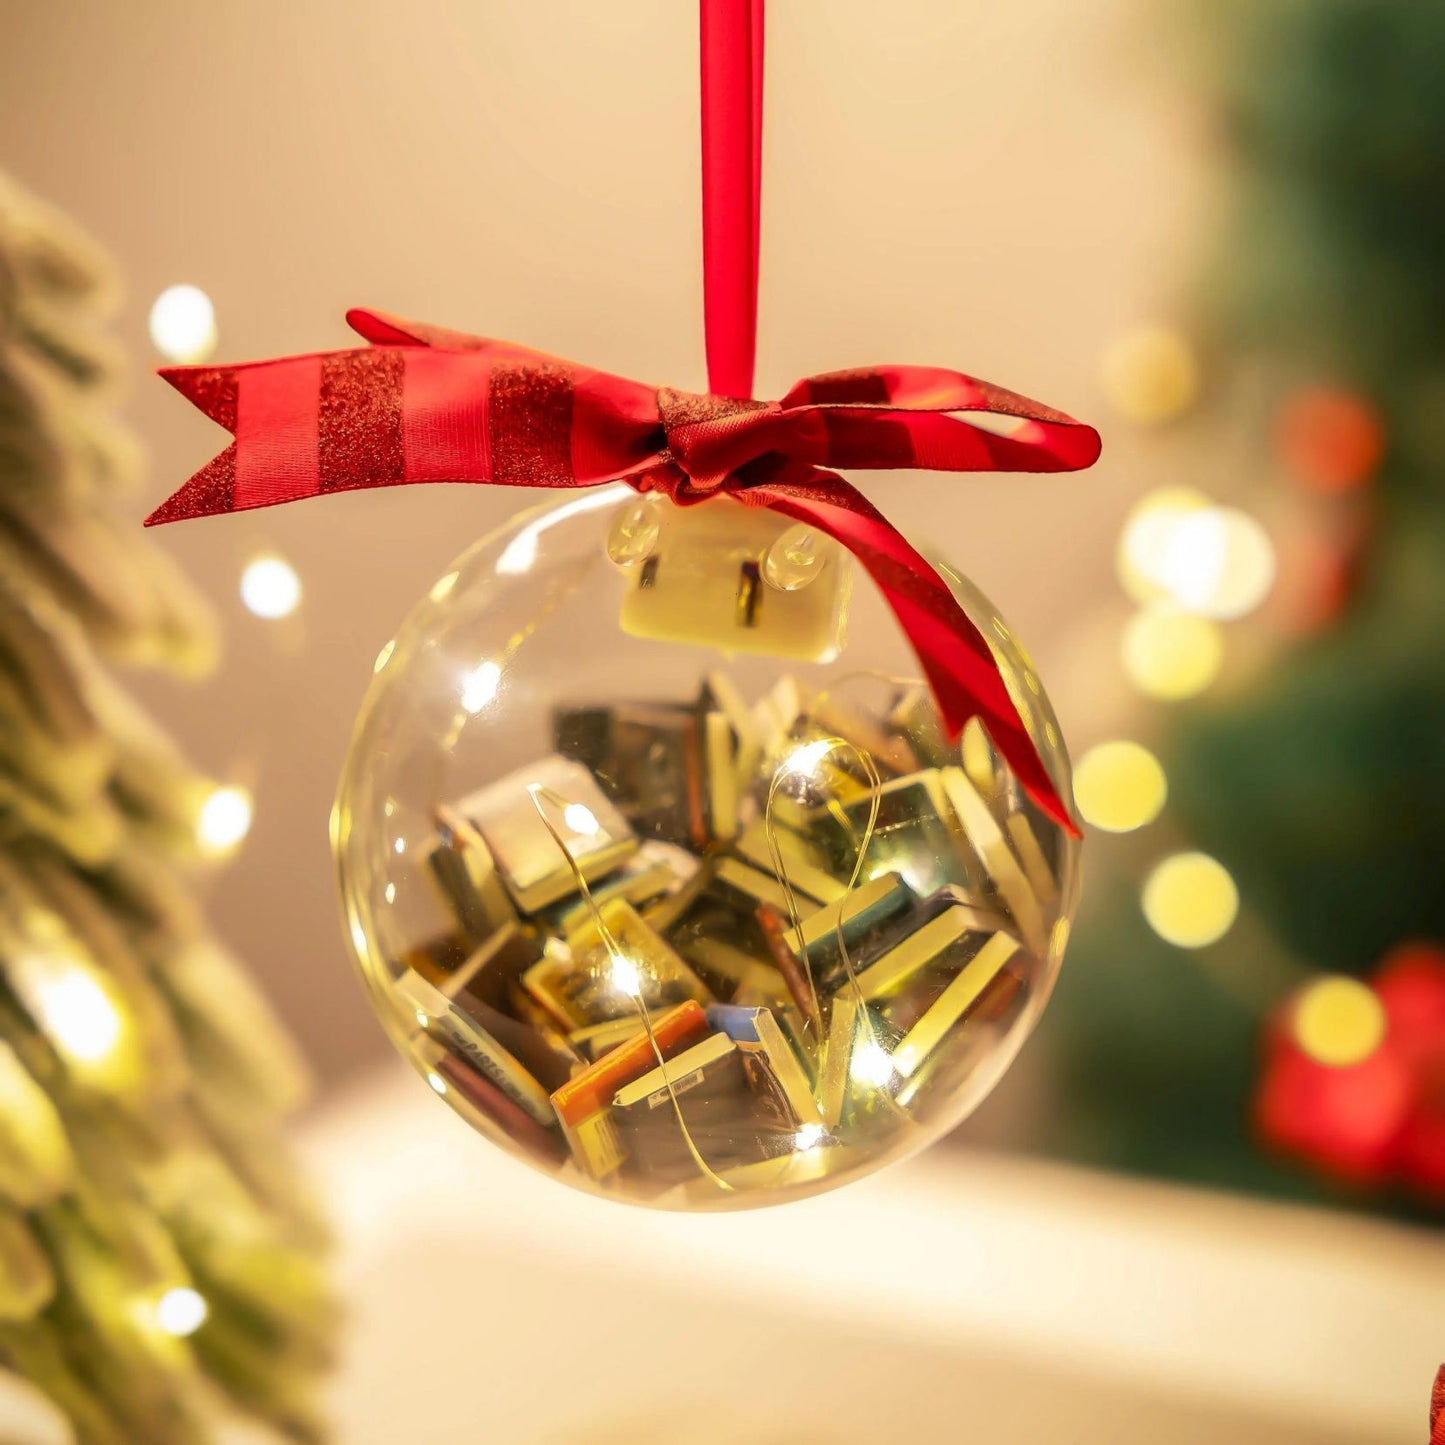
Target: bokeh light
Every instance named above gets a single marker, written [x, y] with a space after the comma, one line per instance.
[77, 1015]
[1150, 375]
[1330, 439]
[1338, 1021]
[181, 1311]
[1144, 539]
[1176, 546]
[270, 587]
[224, 820]
[1119, 786]
[183, 324]
[1190, 900]
[1219, 562]
[1171, 654]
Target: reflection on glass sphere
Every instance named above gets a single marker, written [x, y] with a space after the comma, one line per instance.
[664, 874]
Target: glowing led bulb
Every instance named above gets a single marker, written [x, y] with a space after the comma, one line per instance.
[633, 536]
[626, 978]
[1170, 654]
[580, 819]
[270, 587]
[795, 559]
[809, 1136]
[1190, 900]
[224, 820]
[871, 1064]
[479, 686]
[438, 1084]
[1339, 1021]
[1119, 786]
[183, 324]
[803, 761]
[77, 1015]
[181, 1312]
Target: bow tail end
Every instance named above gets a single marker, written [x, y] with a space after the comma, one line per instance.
[211, 491]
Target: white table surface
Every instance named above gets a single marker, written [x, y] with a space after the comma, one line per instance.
[959, 1296]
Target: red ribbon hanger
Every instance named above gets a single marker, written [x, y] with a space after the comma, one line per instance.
[424, 404]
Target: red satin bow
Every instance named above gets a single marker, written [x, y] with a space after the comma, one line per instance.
[424, 404]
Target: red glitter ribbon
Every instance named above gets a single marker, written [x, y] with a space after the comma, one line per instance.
[423, 404]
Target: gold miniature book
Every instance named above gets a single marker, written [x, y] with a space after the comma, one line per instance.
[757, 1029]
[838, 1058]
[998, 859]
[926, 946]
[461, 865]
[534, 867]
[584, 1103]
[655, 871]
[914, 831]
[802, 865]
[437, 1015]
[821, 934]
[953, 1003]
[1036, 866]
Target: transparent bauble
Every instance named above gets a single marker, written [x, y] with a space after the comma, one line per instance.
[659, 867]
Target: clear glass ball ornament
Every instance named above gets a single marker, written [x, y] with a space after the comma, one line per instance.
[657, 864]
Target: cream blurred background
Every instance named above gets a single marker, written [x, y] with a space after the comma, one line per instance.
[999, 189]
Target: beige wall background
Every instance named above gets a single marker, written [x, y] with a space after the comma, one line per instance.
[999, 188]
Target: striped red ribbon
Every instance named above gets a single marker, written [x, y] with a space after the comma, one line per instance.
[423, 404]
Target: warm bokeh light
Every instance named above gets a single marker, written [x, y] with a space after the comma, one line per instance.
[1190, 900]
[1171, 654]
[270, 587]
[1119, 786]
[1338, 1021]
[1145, 536]
[181, 1312]
[224, 820]
[1150, 375]
[1218, 562]
[183, 324]
[1330, 439]
[1177, 546]
[77, 1015]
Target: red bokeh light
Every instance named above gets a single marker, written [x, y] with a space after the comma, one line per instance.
[1331, 440]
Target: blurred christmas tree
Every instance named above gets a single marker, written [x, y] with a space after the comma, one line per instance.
[158, 1265]
[1315, 778]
